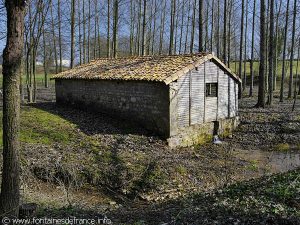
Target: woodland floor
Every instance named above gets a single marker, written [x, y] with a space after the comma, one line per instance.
[83, 164]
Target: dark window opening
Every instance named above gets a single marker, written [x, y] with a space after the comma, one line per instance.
[212, 90]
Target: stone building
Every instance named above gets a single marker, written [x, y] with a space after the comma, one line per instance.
[183, 98]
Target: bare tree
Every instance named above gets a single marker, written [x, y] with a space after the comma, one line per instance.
[284, 51]
[108, 30]
[59, 35]
[172, 26]
[292, 50]
[162, 27]
[72, 33]
[252, 51]
[144, 27]
[115, 28]
[271, 54]
[201, 12]
[193, 27]
[242, 39]
[54, 37]
[263, 53]
[225, 32]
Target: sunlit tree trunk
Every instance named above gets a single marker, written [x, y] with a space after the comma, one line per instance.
[193, 27]
[263, 53]
[201, 12]
[72, 33]
[115, 28]
[284, 51]
[271, 54]
[252, 51]
[292, 50]
[59, 35]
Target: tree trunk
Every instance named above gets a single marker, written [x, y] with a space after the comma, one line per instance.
[271, 54]
[45, 60]
[181, 27]
[284, 51]
[252, 51]
[212, 25]
[225, 32]
[245, 49]
[162, 28]
[241, 39]
[89, 33]
[218, 29]
[132, 17]
[59, 35]
[292, 50]
[276, 47]
[201, 12]
[54, 38]
[176, 28]
[172, 26]
[108, 30]
[263, 53]
[79, 33]
[72, 33]
[229, 34]
[187, 27]
[193, 27]
[12, 60]
[84, 33]
[144, 28]
[154, 27]
[296, 81]
[115, 28]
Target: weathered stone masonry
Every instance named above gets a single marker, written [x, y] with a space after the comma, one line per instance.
[145, 102]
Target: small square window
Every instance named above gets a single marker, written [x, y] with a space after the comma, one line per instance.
[212, 90]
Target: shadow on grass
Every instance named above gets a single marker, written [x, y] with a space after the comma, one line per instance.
[94, 122]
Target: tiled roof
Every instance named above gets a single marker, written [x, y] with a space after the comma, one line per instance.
[150, 68]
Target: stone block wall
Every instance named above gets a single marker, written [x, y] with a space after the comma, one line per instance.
[203, 133]
[141, 101]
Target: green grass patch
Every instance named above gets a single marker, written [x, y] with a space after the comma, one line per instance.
[282, 147]
[38, 126]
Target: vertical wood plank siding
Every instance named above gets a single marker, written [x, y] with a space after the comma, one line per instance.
[211, 103]
[232, 96]
[223, 100]
[197, 95]
[184, 101]
[193, 105]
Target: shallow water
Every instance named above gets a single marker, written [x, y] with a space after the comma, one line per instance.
[270, 162]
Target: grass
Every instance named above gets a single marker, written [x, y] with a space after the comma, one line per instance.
[40, 77]
[38, 126]
[283, 147]
[235, 66]
[274, 194]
